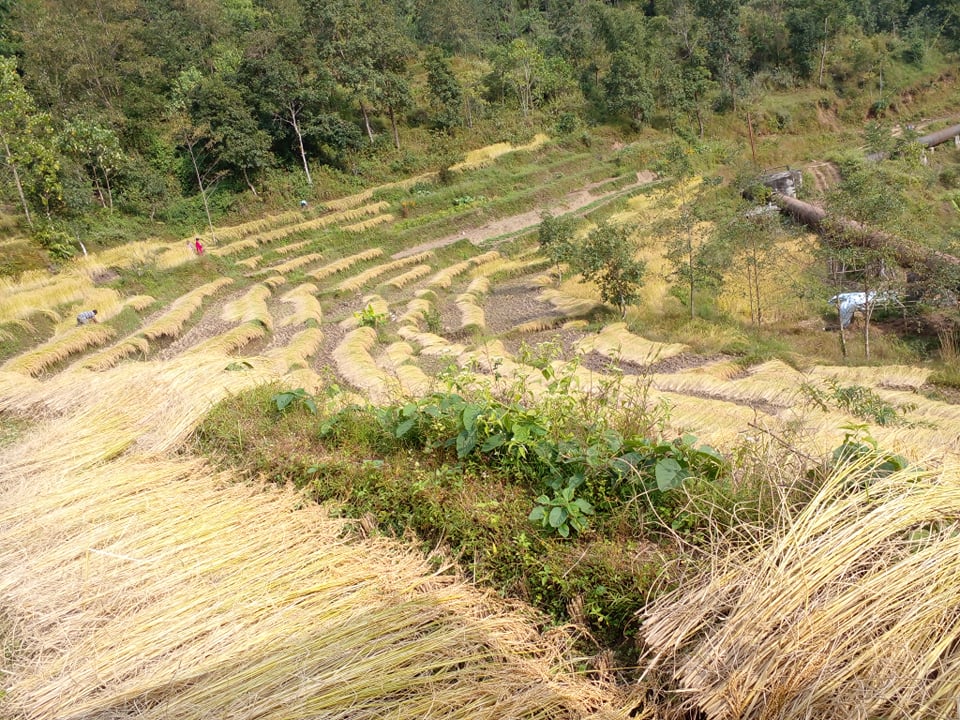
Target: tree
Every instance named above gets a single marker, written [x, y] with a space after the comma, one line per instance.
[685, 250]
[446, 95]
[751, 236]
[97, 150]
[556, 238]
[861, 202]
[607, 258]
[241, 143]
[284, 74]
[521, 68]
[27, 142]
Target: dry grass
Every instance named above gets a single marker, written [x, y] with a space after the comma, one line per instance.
[850, 609]
[358, 281]
[338, 266]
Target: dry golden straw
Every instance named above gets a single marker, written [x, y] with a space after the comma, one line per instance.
[357, 282]
[851, 609]
[342, 264]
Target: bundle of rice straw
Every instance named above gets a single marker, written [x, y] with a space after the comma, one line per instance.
[851, 608]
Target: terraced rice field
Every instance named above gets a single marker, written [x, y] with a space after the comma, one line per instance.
[138, 582]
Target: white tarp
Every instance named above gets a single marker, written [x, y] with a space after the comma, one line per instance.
[849, 303]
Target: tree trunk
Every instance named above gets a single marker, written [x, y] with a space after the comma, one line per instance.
[393, 124]
[303, 152]
[905, 253]
[106, 180]
[249, 184]
[16, 180]
[203, 191]
[366, 120]
[823, 52]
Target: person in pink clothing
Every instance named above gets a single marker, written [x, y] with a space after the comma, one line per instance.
[198, 246]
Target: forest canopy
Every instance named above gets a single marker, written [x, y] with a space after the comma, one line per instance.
[135, 106]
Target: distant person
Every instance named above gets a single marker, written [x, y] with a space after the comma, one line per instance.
[198, 246]
[303, 204]
[87, 316]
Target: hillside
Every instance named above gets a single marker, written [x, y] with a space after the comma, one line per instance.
[142, 580]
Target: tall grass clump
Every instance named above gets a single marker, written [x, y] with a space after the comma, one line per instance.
[848, 608]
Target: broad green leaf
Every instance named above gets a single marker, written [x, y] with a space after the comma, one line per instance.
[558, 517]
[469, 417]
[670, 474]
[404, 427]
[466, 442]
[537, 514]
[493, 442]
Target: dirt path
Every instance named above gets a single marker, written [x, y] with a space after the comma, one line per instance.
[572, 202]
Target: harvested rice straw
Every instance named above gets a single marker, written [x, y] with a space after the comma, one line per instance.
[297, 352]
[849, 610]
[218, 581]
[569, 305]
[170, 324]
[250, 262]
[397, 358]
[306, 307]
[275, 281]
[356, 364]
[444, 278]
[139, 302]
[429, 343]
[471, 313]
[291, 264]
[287, 249]
[616, 342]
[369, 223]
[342, 264]
[41, 296]
[537, 325]
[174, 255]
[233, 248]
[356, 282]
[64, 344]
[251, 307]
[372, 303]
[359, 198]
[398, 282]
[891, 376]
[486, 155]
[112, 355]
[417, 310]
[231, 340]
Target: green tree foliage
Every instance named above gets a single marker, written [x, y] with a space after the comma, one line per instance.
[608, 258]
[28, 145]
[96, 151]
[446, 95]
[556, 238]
